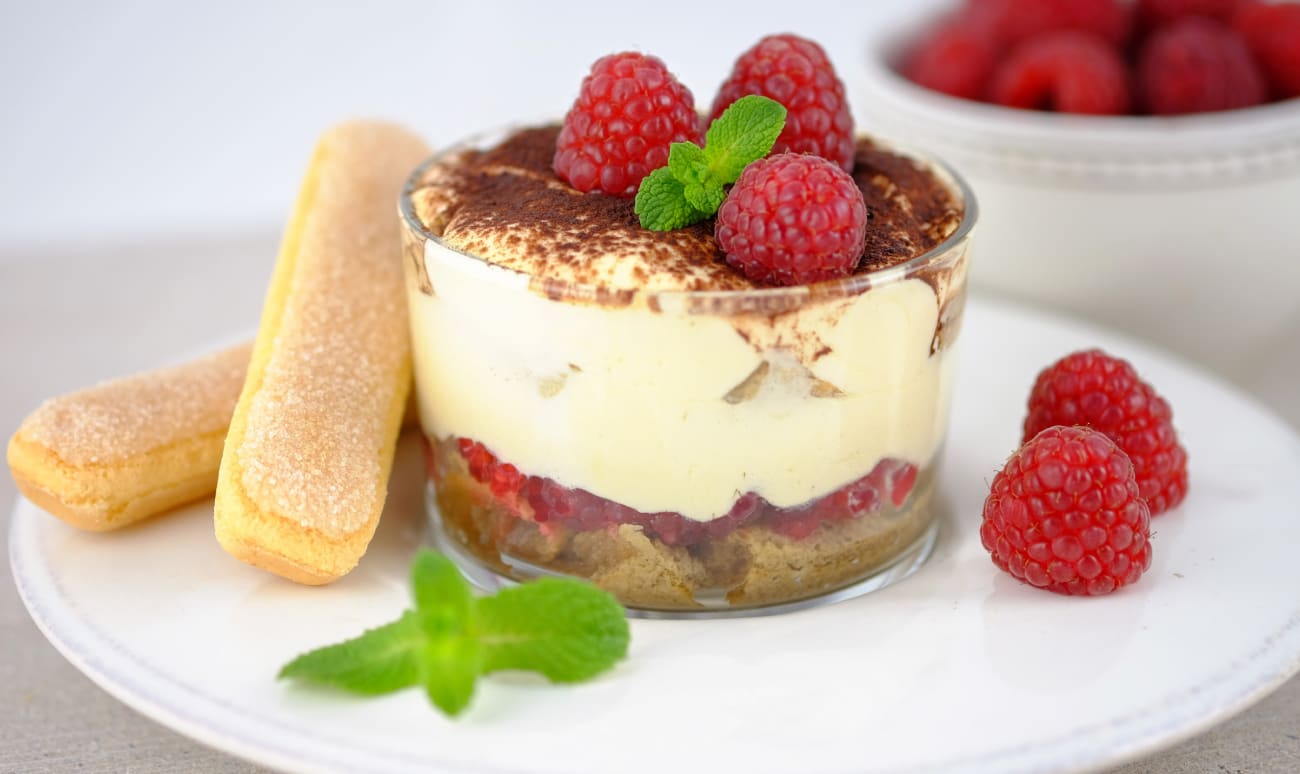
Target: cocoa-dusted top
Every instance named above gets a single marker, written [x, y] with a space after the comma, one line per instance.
[507, 206]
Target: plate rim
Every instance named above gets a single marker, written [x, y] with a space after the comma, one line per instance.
[211, 721]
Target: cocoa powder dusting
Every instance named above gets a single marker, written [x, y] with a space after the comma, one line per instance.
[909, 211]
[506, 205]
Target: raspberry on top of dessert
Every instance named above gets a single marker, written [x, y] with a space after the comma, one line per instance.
[506, 205]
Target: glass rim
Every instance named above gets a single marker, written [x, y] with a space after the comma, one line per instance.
[771, 298]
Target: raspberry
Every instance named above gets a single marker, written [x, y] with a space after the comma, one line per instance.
[795, 72]
[901, 479]
[890, 478]
[859, 497]
[1072, 72]
[1273, 34]
[503, 479]
[1102, 392]
[955, 58]
[1157, 13]
[1064, 515]
[1195, 65]
[792, 219]
[629, 110]
[1013, 21]
[550, 504]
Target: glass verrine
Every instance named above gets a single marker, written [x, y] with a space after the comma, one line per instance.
[689, 451]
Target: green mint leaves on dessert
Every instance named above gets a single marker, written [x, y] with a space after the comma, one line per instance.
[661, 202]
[692, 186]
[567, 630]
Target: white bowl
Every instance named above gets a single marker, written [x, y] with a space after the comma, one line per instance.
[1184, 230]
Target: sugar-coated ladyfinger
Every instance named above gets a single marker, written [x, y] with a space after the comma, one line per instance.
[113, 454]
[305, 469]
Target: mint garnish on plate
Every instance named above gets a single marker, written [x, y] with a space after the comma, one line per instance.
[567, 630]
[691, 188]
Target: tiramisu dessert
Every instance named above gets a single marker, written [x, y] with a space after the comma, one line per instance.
[731, 407]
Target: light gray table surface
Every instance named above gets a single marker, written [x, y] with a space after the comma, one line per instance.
[88, 312]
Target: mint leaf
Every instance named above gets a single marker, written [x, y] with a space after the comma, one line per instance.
[442, 595]
[661, 203]
[704, 198]
[449, 668]
[565, 629]
[449, 658]
[744, 133]
[692, 186]
[381, 660]
[687, 162]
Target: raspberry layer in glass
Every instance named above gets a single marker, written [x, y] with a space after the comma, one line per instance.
[755, 554]
[618, 404]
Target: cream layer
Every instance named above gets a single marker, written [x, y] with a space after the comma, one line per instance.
[662, 410]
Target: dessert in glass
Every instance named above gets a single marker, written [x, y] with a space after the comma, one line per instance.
[603, 401]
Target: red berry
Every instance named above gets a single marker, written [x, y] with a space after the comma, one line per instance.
[797, 523]
[1157, 13]
[795, 72]
[1094, 389]
[1064, 515]
[629, 110]
[955, 58]
[1273, 34]
[505, 480]
[894, 479]
[900, 486]
[854, 499]
[478, 459]
[890, 478]
[1071, 72]
[1014, 21]
[1195, 65]
[792, 219]
[546, 502]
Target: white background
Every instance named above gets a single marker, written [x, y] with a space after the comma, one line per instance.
[146, 119]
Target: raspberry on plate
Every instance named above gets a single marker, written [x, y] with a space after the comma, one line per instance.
[956, 58]
[792, 219]
[1013, 21]
[1064, 515]
[796, 72]
[1196, 65]
[1071, 72]
[1096, 390]
[629, 111]
[1272, 31]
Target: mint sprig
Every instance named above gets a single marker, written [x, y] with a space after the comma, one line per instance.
[693, 184]
[567, 630]
[547, 626]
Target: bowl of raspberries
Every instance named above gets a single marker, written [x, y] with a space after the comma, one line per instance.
[1130, 156]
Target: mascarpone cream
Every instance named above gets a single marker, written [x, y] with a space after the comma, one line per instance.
[640, 367]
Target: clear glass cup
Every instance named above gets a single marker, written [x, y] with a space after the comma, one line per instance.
[691, 452]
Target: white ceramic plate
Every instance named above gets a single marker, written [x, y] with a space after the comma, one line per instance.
[956, 669]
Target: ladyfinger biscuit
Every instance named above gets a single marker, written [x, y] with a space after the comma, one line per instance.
[113, 454]
[305, 469]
